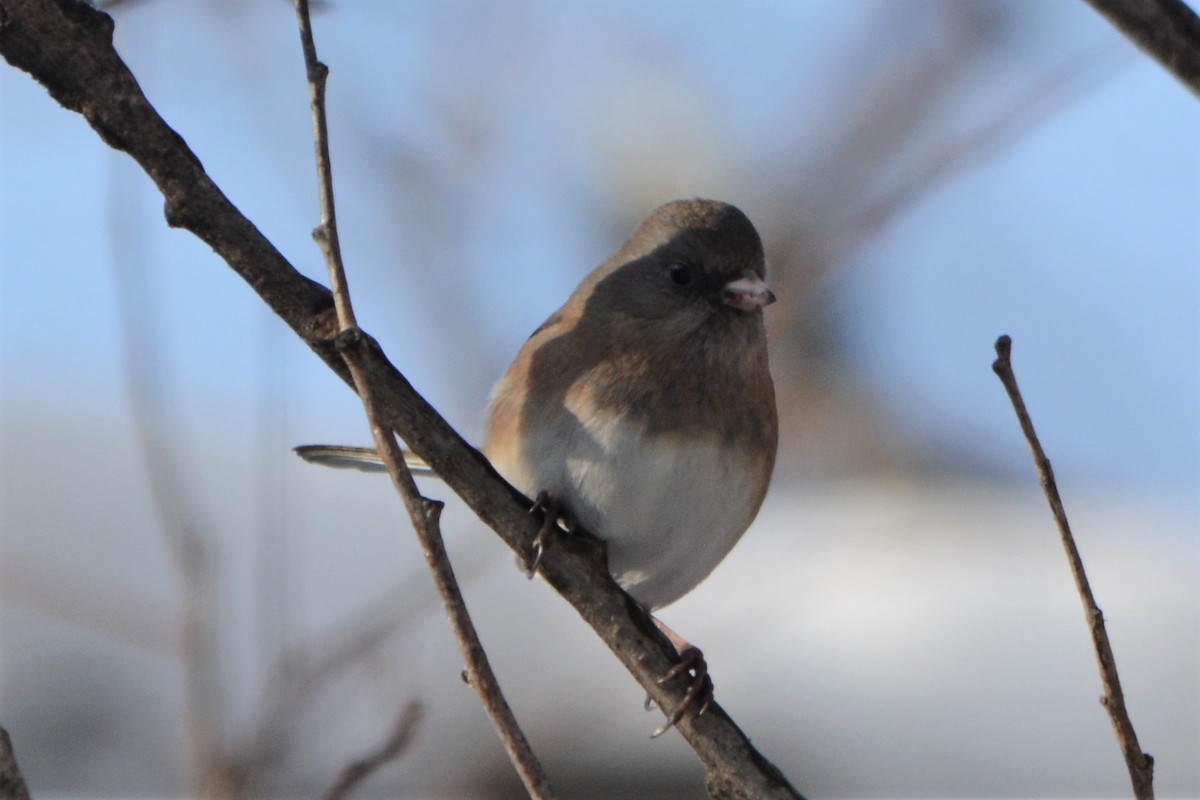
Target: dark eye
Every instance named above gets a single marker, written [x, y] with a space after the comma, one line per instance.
[681, 274]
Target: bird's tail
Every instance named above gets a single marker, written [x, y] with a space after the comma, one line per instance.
[366, 459]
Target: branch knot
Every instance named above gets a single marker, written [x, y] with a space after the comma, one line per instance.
[349, 339]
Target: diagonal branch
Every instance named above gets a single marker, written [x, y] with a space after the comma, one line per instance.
[1167, 30]
[67, 46]
[1140, 765]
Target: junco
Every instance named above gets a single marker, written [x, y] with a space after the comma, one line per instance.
[644, 407]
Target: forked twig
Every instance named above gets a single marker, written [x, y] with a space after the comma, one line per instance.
[424, 513]
[1140, 765]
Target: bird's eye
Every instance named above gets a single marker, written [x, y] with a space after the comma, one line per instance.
[681, 274]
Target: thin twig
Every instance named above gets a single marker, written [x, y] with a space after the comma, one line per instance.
[388, 751]
[1140, 764]
[423, 513]
[326, 233]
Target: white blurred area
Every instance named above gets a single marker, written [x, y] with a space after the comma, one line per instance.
[874, 638]
[899, 622]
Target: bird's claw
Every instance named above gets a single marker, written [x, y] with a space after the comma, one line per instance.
[555, 517]
[700, 690]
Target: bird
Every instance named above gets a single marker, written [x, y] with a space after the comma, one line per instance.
[643, 409]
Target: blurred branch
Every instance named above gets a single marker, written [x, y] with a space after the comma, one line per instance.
[76, 597]
[12, 782]
[389, 750]
[424, 513]
[300, 675]
[908, 81]
[964, 152]
[176, 507]
[826, 251]
[67, 46]
[1166, 29]
[1140, 765]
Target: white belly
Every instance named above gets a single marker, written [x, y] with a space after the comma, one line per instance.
[669, 510]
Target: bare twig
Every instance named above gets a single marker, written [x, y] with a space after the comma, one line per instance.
[388, 750]
[326, 233]
[1166, 29]
[12, 782]
[423, 513]
[1140, 765]
[67, 47]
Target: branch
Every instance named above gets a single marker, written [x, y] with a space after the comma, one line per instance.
[389, 750]
[423, 513]
[1166, 29]
[67, 46]
[300, 674]
[326, 233]
[12, 782]
[1140, 765]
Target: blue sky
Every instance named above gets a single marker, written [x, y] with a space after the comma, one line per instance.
[1079, 236]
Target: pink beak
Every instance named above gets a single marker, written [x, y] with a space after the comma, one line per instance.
[748, 292]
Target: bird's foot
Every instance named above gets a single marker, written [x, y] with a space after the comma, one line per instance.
[555, 517]
[700, 687]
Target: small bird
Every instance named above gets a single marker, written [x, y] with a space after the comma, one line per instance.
[644, 408]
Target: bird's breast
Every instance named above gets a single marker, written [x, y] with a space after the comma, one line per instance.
[669, 506]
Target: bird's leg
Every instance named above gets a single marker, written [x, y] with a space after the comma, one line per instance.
[555, 517]
[691, 662]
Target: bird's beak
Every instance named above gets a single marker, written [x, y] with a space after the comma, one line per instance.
[747, 292]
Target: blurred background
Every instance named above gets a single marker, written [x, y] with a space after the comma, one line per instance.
[187, 608]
